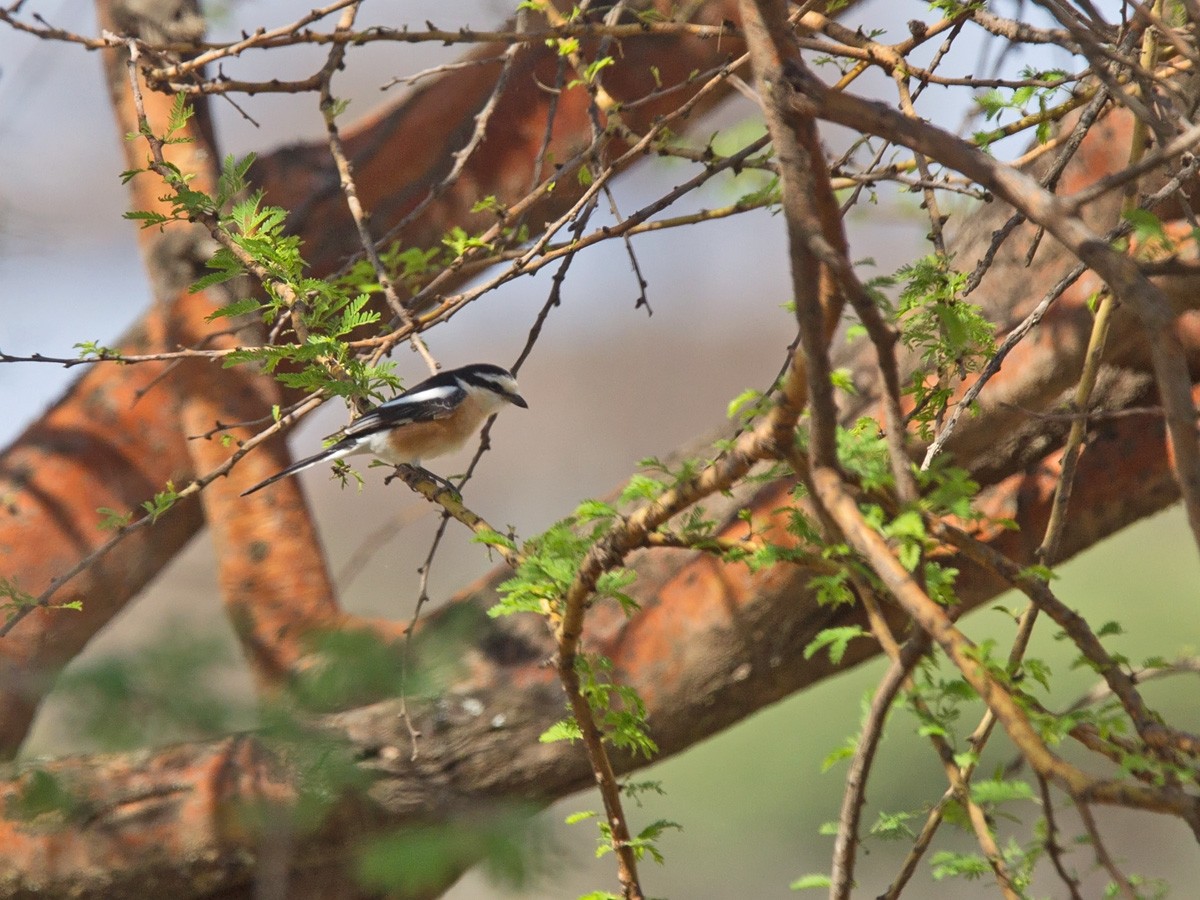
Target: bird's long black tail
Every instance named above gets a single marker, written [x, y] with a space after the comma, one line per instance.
[337, 451]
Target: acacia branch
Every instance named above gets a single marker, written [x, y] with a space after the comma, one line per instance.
[832, 495]
[1122, 275]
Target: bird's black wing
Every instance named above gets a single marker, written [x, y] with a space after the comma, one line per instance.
[426, 402]
[432, 399]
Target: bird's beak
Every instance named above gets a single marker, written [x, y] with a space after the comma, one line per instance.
[517, 400]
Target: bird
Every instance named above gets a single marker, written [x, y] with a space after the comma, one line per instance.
[432, 418]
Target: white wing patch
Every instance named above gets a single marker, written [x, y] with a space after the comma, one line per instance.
[424, 405]
[428, 395]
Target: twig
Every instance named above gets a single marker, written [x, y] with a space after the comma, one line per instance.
[1145, 721]
[463, 155]
[1089, 823]
[1053, 849]
[854, 793]
[423, 584]
[329, 111]
[115, 356]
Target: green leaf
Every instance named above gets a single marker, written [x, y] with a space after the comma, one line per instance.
[181, 113]
[237, 308]
[594, 510]
[1147, 227]
[12, 596]
[113, 520]
[893, 826]
[633, 789]
[494, 539]
[94, 350]
[646, 840]
[1039, 572]
[161, 503]
[1110, 628]
[996, 791]
[642, 487]
[846, 751]
[909, 555]
[148, 219]
[595, 67]
[836, 639]
[564, 730]
[748, 397]
[563, 46]
[810, 881]
[232, 180]
[951, 865]
[832, 589]
[843, 380]
[908, 524]
[939, 583]
[487, 204]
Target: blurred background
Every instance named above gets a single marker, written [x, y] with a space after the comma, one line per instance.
[607, 385]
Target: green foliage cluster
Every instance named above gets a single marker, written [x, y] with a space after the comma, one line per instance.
[947, 331]
[254, 240]
[995, 102]
[322, 312]
[13, 599]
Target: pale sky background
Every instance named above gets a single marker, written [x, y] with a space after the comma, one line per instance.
[607, 386]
